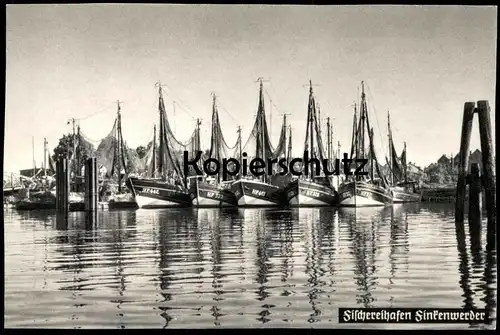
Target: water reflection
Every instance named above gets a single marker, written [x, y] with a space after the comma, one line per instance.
[399, 246]
[363, 232]
[238, 267]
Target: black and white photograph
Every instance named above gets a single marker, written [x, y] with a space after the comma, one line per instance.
[250, 166]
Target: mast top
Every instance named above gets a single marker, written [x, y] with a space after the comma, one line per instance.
[118, 104]
[159, 85]
[362, 89]
[214, 98]
[261, 80]
[310, 86]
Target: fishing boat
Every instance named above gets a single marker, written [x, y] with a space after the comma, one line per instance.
[39, 191]
[364, 190]
[215, 191]
[268, 189]
[115, 162]
[313, 189]
[403, 190]
[164, 185]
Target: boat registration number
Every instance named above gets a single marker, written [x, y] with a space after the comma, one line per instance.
[345, 195]
[151, 190]
[214, 195]
[259, 193]
[312, 194]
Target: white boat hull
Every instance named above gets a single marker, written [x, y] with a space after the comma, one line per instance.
[403, 197]
[247, 200]
[147, 202]
[202, 202]
[304, 200]
[359, 201]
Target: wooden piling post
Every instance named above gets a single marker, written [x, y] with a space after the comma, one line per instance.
[474, 200]
[489, 182]
[464, 160]
[62, 185]
[91, 185]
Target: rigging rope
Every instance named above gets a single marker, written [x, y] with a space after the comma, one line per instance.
[186, 108]
[92, 115]
[222, 107]
[383, 143]
[88, 138]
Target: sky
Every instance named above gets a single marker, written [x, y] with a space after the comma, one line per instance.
[421, 63]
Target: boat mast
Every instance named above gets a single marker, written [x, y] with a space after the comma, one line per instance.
[289, 154]
[118, 143]
[354, 133]
[261, 122]
[153, 174]
[239, 147]
[319, 118]
[161, 160]
[338, 156]
[311, 123]
[33, 151]
[197, 144]
[405, 166]
[45, 157]
[215, 133]
[391, 162]
[371, 154]
[284, 127]
[328, 139]
[362, 122]
[78, 149]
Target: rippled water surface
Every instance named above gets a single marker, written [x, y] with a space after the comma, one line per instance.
[238, 268]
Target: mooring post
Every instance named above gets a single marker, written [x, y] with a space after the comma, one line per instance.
[489, 182]
[91, 184]
[464, 160]
[62, 185]
[474, 180]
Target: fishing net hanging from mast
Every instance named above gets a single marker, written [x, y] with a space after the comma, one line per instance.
[312, 118]
[164, 152]
[113, 155]
[171, 150]
[83, 150]
[259, 143]
[145, 166]
[219, 149]
[372, 154]
[398, 164]
[358, 148]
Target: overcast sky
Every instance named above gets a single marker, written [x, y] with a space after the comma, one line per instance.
[75, 61]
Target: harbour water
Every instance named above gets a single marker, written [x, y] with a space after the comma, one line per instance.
[239, 267]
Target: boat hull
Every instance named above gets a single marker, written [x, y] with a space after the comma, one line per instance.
[204, 194]
[362, 194]
[253, 193]
[154, 193]
[402, 196]
[301, 193]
